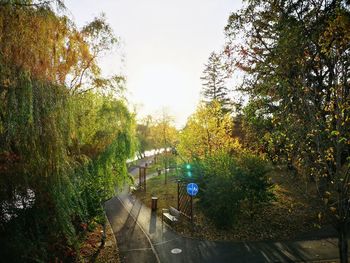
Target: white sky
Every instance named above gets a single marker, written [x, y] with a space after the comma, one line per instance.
[165, 44]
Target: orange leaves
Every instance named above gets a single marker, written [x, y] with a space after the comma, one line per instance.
[242, 66]
[243, 52]
[49, 46]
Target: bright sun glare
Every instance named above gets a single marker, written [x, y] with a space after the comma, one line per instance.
[163, 84]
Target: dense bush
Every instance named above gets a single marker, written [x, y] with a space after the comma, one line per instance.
[254, 182]
[228, 183]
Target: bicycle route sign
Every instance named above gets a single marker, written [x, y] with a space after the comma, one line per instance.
[192, 189]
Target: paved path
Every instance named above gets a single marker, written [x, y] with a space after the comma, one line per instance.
[143, 238]
[133, 243]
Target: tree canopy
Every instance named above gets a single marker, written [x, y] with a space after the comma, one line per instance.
[295, 55]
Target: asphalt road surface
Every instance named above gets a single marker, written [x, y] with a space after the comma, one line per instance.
[133, 243]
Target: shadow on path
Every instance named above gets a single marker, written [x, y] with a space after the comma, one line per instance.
[134, 246]
[153, 222]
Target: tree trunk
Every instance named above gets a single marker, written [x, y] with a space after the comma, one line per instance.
[343, 242]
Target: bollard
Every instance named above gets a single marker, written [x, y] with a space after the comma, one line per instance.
[154, 203]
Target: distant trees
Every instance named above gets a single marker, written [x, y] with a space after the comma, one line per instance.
[207, 131]
[165, 130]
[143, 132]
[156, 133]
[214, 82]
[295, 55]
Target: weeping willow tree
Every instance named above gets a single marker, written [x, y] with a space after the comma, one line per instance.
[62, 153]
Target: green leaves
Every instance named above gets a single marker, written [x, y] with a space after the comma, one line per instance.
[232, 185]
[335, 133]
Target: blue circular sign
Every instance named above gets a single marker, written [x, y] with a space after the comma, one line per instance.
[192, 189]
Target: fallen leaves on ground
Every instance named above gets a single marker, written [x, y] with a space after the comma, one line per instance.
[91, 250]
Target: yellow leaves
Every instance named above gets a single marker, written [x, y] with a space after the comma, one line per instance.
[6, 82]
[47, 45]
[31, 40]
[329, 154]
[207, 131]
[333, 209]
[291, 208]
[337, 35]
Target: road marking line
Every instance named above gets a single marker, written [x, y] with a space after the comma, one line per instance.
[136, 249]
[149, 240]
[176, 250]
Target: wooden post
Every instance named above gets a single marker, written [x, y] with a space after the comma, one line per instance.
[178, 195]
[139, 176]
[165, 171]
[144, 177]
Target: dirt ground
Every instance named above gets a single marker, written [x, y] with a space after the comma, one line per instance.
[92, 251]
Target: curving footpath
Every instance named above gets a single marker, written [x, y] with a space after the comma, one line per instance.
[143, 238]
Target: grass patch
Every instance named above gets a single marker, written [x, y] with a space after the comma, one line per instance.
[154, 167]
[165, 191]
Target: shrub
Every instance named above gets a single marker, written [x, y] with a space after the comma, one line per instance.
[254, 182]
[228, 183]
